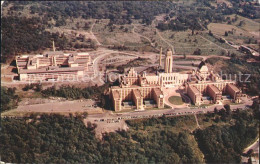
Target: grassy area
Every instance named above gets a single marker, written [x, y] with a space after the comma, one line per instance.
[205, 121]
[200, 106]
[236, 34]
[135, 63]
[249, 24]
[186, 43]
[116, 34]
[175, 124]
[176, 100]
[13, 112]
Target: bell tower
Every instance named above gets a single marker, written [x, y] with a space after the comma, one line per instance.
[168, 62]
[160, 58]
[53, 46]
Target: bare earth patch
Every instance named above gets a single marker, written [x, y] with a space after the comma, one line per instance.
[53, 106]
[105, 126]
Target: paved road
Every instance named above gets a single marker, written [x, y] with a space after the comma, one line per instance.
[160, 112]
[254, 146]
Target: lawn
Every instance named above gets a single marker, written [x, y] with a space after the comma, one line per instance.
[176, 100]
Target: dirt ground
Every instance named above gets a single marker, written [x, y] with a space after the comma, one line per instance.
[105, 126]
[57, 105]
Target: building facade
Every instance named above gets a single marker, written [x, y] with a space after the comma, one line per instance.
[145, 90]
[53, 66]
[135, 92]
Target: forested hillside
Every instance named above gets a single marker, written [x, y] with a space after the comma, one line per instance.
[25, 29]
[59, 139]
[24, 35]
[9, 99]
[118, 12]
[24, 23]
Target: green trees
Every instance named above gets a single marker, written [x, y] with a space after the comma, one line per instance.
[25, 35]
[60, 11]
[9, 99]
[54, 139]
[21, 35]
[226, 33]
[236, 66]
[66, 92]
[221, 144]
[58, 139]
[72, 92]
[197, 52]
[210, 33]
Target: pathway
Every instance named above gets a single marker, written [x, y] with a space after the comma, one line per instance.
[197, 120]
[163, 39]
[94, 36]
[133, 31]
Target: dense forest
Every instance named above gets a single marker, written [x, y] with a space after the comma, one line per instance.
[24, 35]
[9, 99]
[58, 139]
[118, 12]
[222, 144]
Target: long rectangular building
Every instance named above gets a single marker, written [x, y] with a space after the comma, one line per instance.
[53, 66]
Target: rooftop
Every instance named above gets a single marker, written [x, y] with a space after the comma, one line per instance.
[46, 70]
[194, 90]
[232, 86]
[157, 91]
[214, 88]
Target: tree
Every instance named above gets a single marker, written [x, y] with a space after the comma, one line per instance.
[9, 99]
[38, 87]
[241, 23]
[197, 52]
[26, 87]
[228, 110]
[215, 110]
[250, 152]
[210, 33]
[226, 33]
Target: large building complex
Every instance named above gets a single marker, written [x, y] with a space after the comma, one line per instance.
[145, 90]
[53, 66]
[205, 87]
[136, 92]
